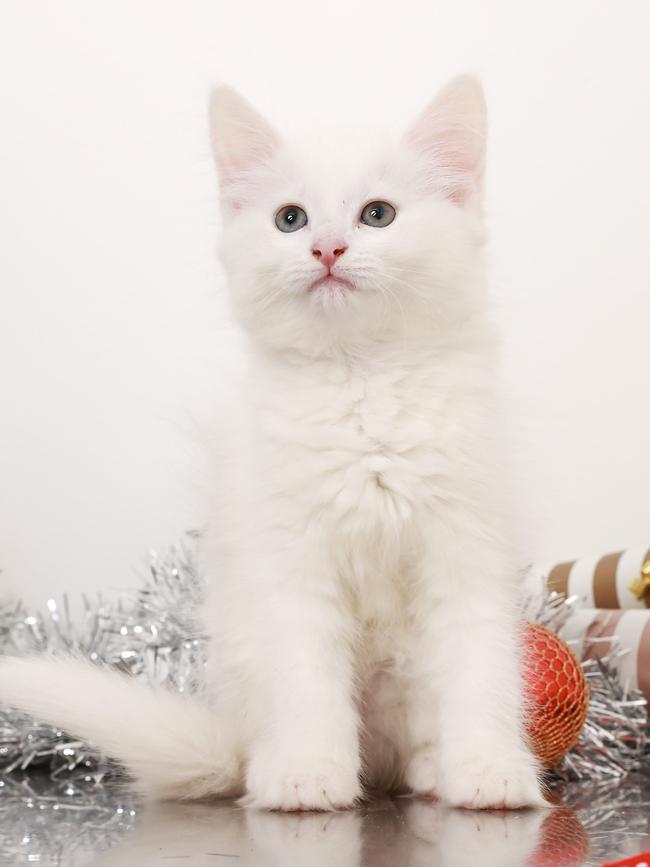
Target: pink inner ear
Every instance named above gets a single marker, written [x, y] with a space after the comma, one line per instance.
[450, 136]
[241, 140]
[237, 158]
[453, 160]
[459, 195]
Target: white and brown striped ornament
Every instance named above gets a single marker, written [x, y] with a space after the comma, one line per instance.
[590, 632]
[619, 580]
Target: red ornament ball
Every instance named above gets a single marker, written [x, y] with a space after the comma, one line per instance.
[557, 692]
[563, 841]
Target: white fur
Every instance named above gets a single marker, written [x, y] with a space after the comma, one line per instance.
[175, 747]
[362, 610]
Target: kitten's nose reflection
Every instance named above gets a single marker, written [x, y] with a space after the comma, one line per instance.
[401, 833]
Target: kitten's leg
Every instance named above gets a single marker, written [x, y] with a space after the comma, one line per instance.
[421, 770]
[306, 754]
[466, 660]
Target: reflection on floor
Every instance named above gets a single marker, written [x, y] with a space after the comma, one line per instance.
[68, 825]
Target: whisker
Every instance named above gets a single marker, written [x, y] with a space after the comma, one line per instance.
[386, 293]
[393, 277]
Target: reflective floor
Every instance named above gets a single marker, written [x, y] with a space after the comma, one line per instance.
[69, 826]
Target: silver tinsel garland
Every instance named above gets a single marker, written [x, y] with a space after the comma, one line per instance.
[58, 822]
[153, 633]
[614, 813]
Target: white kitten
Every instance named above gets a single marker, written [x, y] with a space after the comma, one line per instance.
[362, 613]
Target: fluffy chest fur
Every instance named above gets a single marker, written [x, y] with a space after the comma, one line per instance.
[356, 453]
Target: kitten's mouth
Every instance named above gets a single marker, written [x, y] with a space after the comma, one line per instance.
[332, 283]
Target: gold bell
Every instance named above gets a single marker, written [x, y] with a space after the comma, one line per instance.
[641, 585]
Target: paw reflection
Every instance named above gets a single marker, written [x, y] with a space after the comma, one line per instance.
[404, 832]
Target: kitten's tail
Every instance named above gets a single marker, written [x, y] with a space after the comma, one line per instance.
[172, 745]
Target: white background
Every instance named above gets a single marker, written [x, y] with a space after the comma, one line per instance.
[108, 223]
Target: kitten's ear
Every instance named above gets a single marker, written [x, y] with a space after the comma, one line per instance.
[241, 138]
[451, 134]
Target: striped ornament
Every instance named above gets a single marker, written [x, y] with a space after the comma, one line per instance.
[620, 580]
[612, 602]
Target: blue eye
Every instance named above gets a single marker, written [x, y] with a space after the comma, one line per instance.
[290, 218]
[378, 214]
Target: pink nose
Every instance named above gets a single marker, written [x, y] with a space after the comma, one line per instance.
[328, 253]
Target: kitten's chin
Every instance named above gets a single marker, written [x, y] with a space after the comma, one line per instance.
[329, 284]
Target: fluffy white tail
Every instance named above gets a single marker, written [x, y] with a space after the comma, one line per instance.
[173, 746]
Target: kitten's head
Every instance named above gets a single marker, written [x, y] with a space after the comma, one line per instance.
[352, 237]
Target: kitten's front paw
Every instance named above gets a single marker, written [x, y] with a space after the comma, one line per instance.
[494, 778]
[422, 772]
[294, 783]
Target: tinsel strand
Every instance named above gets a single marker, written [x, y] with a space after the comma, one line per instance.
[152, 633]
